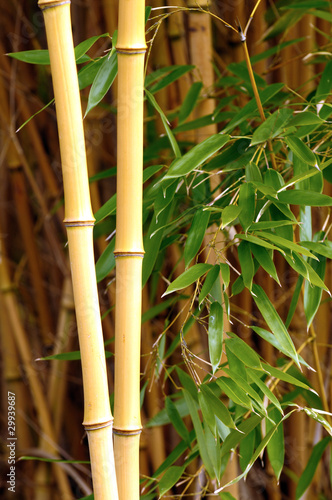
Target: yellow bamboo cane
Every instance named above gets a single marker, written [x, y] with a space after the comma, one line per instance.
[129, 246]
[79, 221]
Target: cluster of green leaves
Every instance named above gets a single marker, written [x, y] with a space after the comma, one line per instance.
[252, 206]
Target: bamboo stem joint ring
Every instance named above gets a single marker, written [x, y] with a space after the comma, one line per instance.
[95, 427]
[122, 432]
[46, 5]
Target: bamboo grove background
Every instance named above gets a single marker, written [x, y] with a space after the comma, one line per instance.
[37, 314]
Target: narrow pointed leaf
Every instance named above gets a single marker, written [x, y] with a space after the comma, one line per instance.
[310, 469]
[216, 326]
[171, 476]
[301, 150]
[246, 263]
[196, 235]
[217, 407]
[196, 156]
[313, 294]
[274, 321]
[265, 260]
[188, 277]
[190, 101]
[276, 445]
[247, 202]
[229, 214]
[244, 352]
[176, 420]
[211, 277]
[308, 198]
[103, 80]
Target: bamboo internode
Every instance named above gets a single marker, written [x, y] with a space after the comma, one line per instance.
[129, 246]
[79, 221]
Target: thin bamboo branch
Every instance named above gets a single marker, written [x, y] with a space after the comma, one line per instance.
[79, 221]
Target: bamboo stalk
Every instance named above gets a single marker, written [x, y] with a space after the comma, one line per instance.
[129, 246]
[79, 221]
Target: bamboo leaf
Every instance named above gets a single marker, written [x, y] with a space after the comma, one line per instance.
[167, 128]
[225, 273]
[312, 294]
[188, 277]
[247, 447]
[258, 241]
[199, 433]
[301, 150]
[265, 260]
[237, 435]
[234, 392]
[271, 127]
[216, 325]
[106, 262]
[103, 80]
[229, 214]
[246, 263]
[216, 406]
[244, 352]
[283, 242]
[171, 476]
[308, 198]
[172, 73]
[284, 376]
[176, 420]
[247, 202]
[190, 101]
[196, 235]
[196, 156]
[274, 322]
[265, 390]
[305, 118]
[84, 46]
[309, 471]
[276, 445]
[251, 107]
[211, 277]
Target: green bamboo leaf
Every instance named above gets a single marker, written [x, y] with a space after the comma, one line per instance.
[171, 476]
[317, 415]
[276, 445]
[216, 406]
[251, 107]
[247, 202]
[308, 198]
[208, 416]
[265, 390]
[265, 260]
[172, 73]
[216, 325]
[258, 241]
[285, 377]
[274, 321]
[253, 172]
[32, 56]
[267, 224]
[305, 118]
[247, 447]
[211, 277]
[108, 208]
[301, 150]
[190, 101]
[294, 301]
[310, 469]
[106, 262]
[229, 214]
[243, 351]
[234, 392]
[199, 433]
[237, 435]
[213, 447]
[271, 127]
[103, 80]
[88, 73]
[322, 248]
[246, 263]
[196, 156]
[196, 235]
[176, 420]
[188, 277]
[167, 128]
[283, 242]
[312, 294]
[248, 389]
[84, 46]
[225, 273]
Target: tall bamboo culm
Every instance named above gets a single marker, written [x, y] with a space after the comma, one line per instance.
[129, 246]
[79, 222]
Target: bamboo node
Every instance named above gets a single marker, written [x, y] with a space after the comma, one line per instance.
[50, 5]
[128, 254]
[78, 223]
[127, 432]
[99, 425]
[130, 52]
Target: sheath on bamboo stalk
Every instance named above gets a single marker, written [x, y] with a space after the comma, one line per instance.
[129, 246]
[79, 221]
